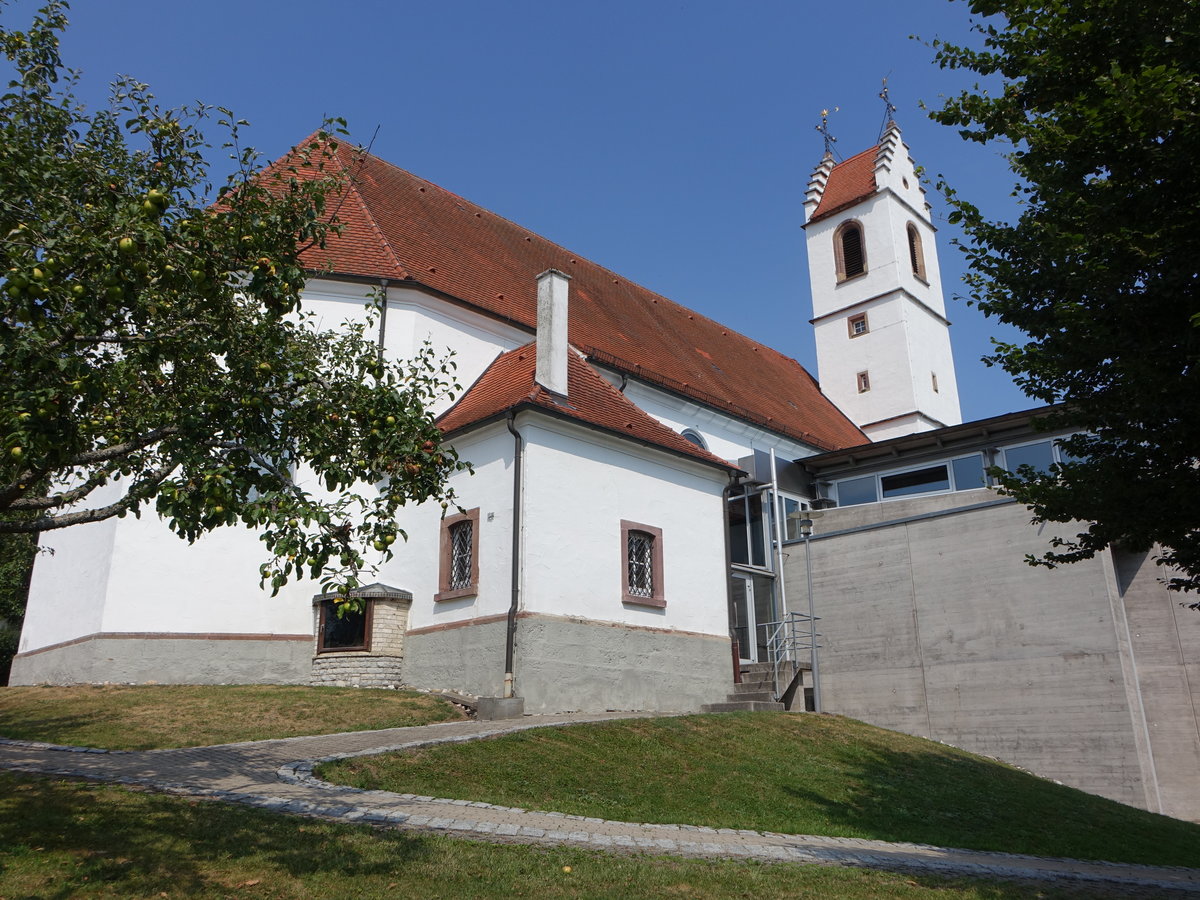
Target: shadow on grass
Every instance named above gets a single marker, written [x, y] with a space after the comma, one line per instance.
[67, 839]
[151, 843]
[943, 798]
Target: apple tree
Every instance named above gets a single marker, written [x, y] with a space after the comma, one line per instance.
[154, 350]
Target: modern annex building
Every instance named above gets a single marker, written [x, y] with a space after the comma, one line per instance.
[633, 526]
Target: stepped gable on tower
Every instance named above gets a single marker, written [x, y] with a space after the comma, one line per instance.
[404, 228]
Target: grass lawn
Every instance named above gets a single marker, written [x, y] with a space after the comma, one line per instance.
[152, 717]
[791, 773]
[70, 839]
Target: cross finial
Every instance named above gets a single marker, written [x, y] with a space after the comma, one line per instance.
[889, 109]
[823, 128]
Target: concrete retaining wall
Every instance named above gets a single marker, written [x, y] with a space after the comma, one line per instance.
[935, 625]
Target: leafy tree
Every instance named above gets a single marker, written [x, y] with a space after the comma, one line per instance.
[153, 347]
[1099, 101]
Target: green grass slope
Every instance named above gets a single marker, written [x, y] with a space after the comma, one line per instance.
[152, 717]
[791, 773]
[67, 840]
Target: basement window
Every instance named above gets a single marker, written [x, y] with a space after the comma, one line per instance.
[349, 631]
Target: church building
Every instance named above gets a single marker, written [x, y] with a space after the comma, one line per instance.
[638, 527]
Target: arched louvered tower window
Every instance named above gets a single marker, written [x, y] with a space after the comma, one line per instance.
[849, 248]
[916, 256]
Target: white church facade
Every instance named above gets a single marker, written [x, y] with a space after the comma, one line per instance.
[632, 528]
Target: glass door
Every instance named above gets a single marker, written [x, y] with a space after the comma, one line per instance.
[743, 616]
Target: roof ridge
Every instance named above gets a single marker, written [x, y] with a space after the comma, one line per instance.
[366, 210]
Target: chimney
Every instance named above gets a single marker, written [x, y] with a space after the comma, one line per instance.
[551, 372]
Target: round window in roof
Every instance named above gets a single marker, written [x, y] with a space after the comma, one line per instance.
[694, 437]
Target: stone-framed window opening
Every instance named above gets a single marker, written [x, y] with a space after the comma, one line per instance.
[361, 649]
[459, 556]
[349, 631]
[849, 250]
[916, 256]
[864, 382]
[857, 325]
[642, 565]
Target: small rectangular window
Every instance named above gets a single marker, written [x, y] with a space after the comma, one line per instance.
[921, 481]
[933, 377]
[857, 325]
[459, 570]
[968, 472]
[461, 540]
[864, 382]
[642, 565]
[1039, 455]
[854, 491]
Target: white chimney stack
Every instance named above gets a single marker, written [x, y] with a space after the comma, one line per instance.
[551, 371]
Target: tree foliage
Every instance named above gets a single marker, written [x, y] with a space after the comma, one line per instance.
[153, 346]
[1098, 102]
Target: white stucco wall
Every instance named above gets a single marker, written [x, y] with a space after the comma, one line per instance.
[414, 317]
[579, 485]
[70, 581]
[725, 437]
[416, 564]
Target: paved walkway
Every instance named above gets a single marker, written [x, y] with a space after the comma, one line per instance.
[277, 775]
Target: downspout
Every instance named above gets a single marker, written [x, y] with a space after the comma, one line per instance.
[383, 297]
[734, 477]
[510, 637]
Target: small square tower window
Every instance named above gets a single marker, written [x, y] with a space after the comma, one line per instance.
[864, 382]
[857, 325]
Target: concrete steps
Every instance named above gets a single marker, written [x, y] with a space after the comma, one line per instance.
[755, 693]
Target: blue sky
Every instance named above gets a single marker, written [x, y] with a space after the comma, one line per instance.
[669, 141]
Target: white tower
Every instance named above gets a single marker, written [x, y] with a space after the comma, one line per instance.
[883, 340]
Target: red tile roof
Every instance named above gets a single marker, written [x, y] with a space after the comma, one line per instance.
[849, 182]
[402, 227]
[508, 383]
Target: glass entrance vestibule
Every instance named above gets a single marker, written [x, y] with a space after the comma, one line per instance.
[759, 520]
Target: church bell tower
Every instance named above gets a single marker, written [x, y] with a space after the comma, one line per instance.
[883, 339]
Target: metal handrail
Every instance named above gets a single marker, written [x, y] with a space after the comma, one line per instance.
[793, 633]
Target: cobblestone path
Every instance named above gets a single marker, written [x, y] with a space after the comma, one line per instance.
[277, 775]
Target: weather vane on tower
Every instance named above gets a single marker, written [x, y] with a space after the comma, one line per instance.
[823, 128]
[889, 109]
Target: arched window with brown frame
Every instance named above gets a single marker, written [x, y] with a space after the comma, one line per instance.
[849, 250]
[916, 256]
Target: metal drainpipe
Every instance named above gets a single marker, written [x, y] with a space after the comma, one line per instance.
[734, 478]
[510, 637]
[383, 286]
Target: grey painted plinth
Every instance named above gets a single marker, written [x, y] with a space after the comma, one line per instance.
[500, 708]
[173, 660]
[575, 665]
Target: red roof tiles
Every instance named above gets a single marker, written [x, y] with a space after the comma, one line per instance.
[849, 182]
[402, 227]
[508, 383]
